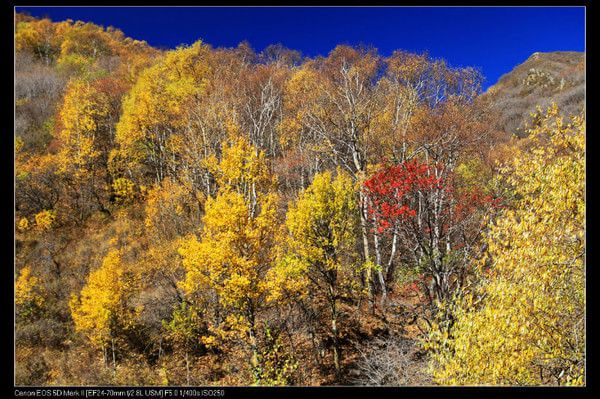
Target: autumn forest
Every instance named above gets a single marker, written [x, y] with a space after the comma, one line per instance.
[222, 216]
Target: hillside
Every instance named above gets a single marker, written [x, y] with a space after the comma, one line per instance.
[215, 216]
[543, 78]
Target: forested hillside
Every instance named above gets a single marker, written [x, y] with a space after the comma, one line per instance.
[218, 216]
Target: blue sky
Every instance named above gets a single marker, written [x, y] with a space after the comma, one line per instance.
[494, 39]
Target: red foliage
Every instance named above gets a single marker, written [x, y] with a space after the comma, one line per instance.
[391, 189]
[393, 193]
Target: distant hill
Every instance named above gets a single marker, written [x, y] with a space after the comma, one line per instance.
[541, 79]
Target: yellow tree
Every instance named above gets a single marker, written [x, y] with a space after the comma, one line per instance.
[29, 294]
[330, 103]
[171, 211]
[235, 250]
[354, 109]
[102, 311]
[157, 112]
[44, 220]
[322, 227]
[37, 183]
[39, 37]
[524, 324]
[80, 116]
[88, 40]
[80, 134]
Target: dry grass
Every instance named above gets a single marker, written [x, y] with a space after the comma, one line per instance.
[543, 78]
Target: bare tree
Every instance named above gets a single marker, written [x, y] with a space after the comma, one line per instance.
[391, 361]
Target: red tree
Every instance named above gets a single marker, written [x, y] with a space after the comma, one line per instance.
[433, 222]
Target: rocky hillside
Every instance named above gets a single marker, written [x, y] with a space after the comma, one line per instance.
[541, 79]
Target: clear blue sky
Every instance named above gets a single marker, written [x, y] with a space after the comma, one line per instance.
[494, 39]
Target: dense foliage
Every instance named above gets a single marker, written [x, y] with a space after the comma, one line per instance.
[205, 216]
[523, 323]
